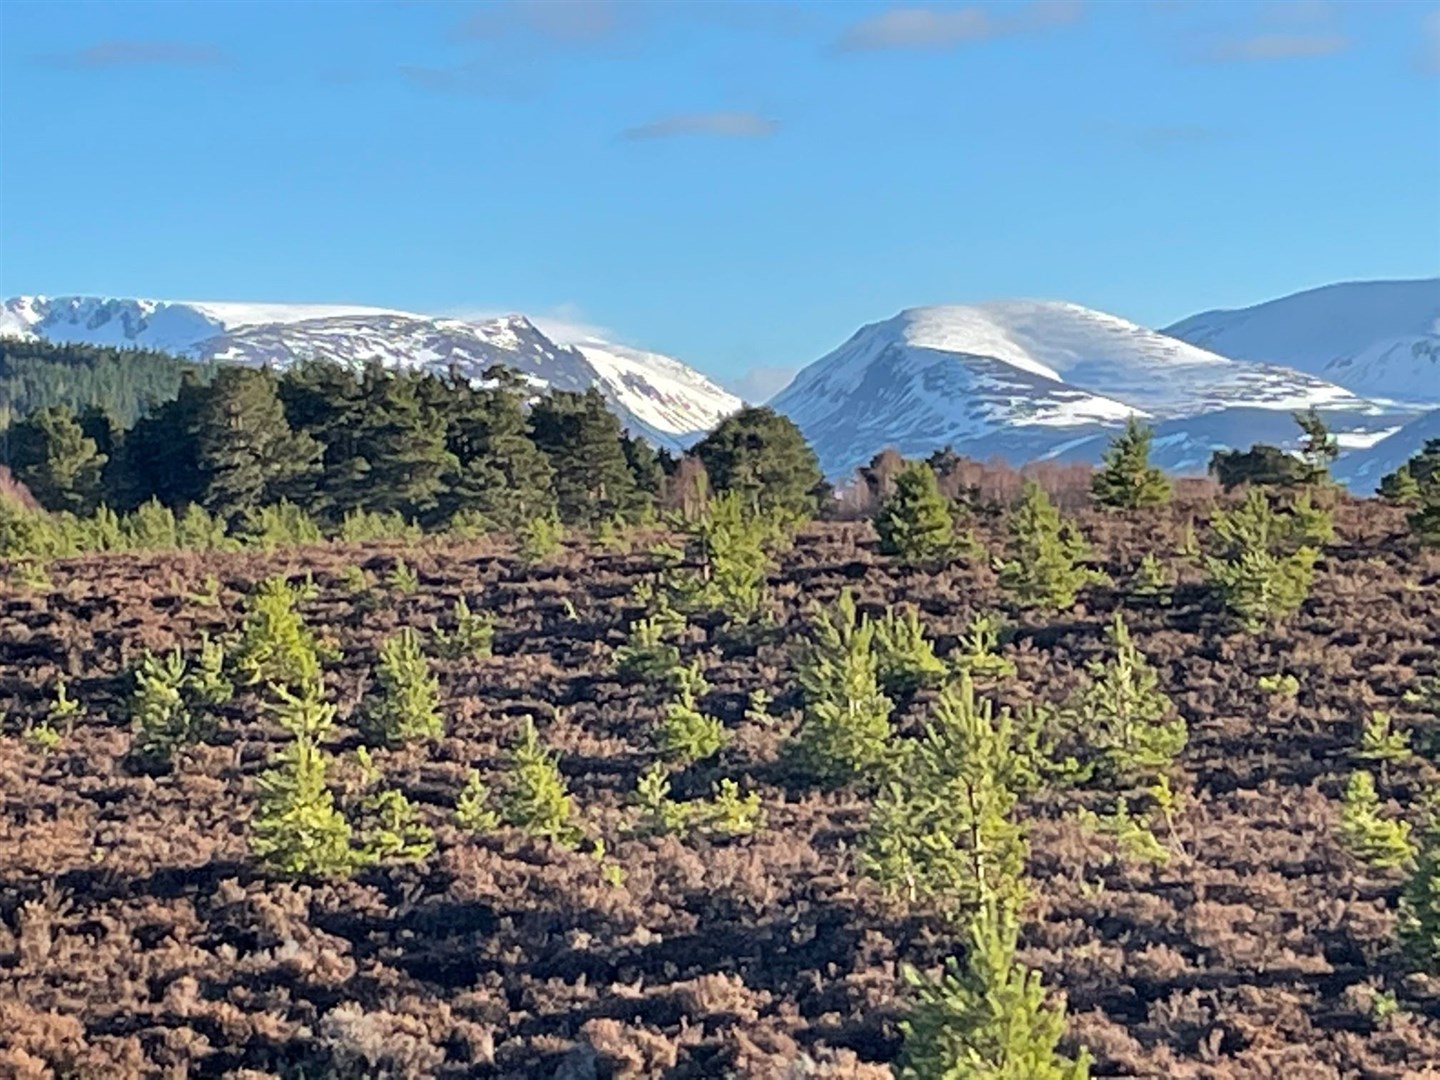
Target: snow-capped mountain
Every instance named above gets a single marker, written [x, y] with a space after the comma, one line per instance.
[1029, 379]
[1363, 470]
[1379, 339]
[654, 396]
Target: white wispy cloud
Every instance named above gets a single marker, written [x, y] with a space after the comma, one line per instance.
[950, 27]
[119, 53]
[728, 125]
[1428, 58]
[1277, 47]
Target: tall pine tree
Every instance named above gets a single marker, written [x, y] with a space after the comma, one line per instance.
[247, 455]
[400, 458]
[50, 453]
[499, 472]
[763, 455]
[582, 439]
[1128, 480]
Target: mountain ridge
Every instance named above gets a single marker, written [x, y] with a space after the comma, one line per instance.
[654, 395]
[1379, 339]
[1043, 378]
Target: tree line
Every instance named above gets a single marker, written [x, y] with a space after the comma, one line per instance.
[438, 451]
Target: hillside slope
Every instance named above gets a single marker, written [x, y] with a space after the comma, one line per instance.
[1379, 339]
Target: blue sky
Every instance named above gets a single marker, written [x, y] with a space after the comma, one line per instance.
[738, 184]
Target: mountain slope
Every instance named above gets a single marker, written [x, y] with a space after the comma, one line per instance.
[1029, 379]
[1379, 339]
[1363, 470]
[654, 396]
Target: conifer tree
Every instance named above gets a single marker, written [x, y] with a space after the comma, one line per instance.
[1368, 835]
[1128, 480]
[1416, 484]
[51, 455]
[499, 473]
[914, 522]
[845, 729]
[1401, 488]
[536, 799]
[763, 456]
[944, 826]
[990, 1020]
[1123, 717]
[1262, 465]
[1046, 552]
[1261, 559]
[407, 705]
[732, 546]
[297, 830]
[906, 655]
[582, 439]
[401, 457]
[1318, 448]
[246, 454]
[1420, 897]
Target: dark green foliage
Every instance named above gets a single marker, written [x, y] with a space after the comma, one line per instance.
[50, 453]
[245, 452]
[500, 475]
[914, 522]
[1401, 488]
[121, 383]
[1416, 485]
[1318, 448]
[1261, 465]
[400, 454]
[762, 456]
[989, 1020]
[583, 442]
[406, 703]
[373, 454]
[943, 828]
[1046, 551]
[1128, 480]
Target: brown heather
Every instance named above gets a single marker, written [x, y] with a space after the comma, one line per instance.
[139, 938]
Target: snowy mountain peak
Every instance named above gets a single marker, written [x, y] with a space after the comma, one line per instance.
[654, 396]
[1380, 339]
[1027, 379]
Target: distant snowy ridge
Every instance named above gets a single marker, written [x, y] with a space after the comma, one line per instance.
[1028, 379]
[1363, 470]
[1379, 339]
[654, 395]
